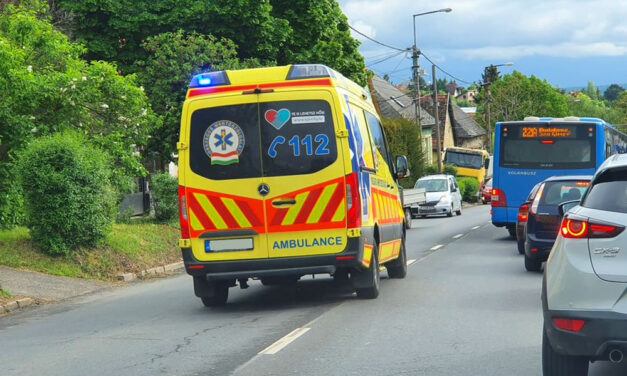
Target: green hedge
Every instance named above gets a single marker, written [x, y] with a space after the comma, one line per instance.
[165, 196]
[446, 169]
[68, 199]
[468, 188]
[403, 139]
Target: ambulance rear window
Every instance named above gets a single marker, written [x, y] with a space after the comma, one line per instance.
[297, 137]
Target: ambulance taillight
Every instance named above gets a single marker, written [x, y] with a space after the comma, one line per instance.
[183, 213]
[353, 201]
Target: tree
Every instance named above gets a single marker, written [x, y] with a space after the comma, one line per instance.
[490, 74]
[319, 34]
[612, 92]
[515, 96]
[50, 89]
[584, 106]
[173, 58]
[591, 91]
[403, 139]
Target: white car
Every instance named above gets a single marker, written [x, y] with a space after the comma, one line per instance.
[584, 291]
[442, 195]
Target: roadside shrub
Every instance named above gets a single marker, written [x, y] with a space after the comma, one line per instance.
[449, 170]
[431, 170]
[468, 188]
[11, 201]
[165, 196]
[68, 199]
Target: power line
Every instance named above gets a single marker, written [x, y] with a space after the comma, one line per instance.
[445, 72]
[385, 58]
[377, 42]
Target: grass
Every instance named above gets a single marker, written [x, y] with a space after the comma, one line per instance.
[130, 247]
[5, 296]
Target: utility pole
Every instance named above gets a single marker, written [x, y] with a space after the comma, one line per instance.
[415, 56]
[437, 118]
[487, 110]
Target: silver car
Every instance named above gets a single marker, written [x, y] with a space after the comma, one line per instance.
[584, 291]
[442, 194]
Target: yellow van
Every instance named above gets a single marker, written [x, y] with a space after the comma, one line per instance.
[285, 172]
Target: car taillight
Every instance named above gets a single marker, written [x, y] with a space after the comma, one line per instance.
[578, 229]
[183, 213]
[353, 201]
[569, 324]
[523, 213]
[536, 200]
[499, 200]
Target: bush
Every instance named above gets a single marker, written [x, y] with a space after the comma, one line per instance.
[449, 170]
[468, 188]
[431, 170]
[68, 199]
[165, 196]
[403, 139]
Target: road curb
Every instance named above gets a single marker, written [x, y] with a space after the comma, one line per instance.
[152, 272]
[15, 305]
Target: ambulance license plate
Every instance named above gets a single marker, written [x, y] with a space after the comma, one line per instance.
[229, 245]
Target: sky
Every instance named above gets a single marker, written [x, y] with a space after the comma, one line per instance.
[566, 42]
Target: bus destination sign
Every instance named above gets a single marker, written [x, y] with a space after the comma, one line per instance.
[548, 132]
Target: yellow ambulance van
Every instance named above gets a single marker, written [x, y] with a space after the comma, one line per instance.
[286, 172]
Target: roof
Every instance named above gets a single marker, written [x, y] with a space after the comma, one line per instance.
[569, 178]
[464, 126]
[393, 103]
[614, 161]
[427, 104]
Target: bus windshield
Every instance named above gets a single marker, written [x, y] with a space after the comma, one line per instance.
[466, 160]
[555, 147]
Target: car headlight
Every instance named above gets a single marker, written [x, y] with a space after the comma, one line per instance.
[444, 200]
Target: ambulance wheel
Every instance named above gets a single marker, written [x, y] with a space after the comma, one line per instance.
[408, 218]
[368, 280]
[398, 268]
[220, 294]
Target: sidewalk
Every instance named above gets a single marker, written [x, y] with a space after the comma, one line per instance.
[44, 287]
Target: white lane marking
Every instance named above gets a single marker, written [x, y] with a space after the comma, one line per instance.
[458, 236]
[476, 227]
[283, 342]
[410, 261]
[436, 247]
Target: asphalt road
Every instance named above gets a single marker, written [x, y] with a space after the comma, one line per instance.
[467, 307]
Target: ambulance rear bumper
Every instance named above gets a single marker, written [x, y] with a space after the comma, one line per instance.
[273, 267]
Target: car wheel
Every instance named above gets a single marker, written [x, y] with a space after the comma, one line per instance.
[450, 213]
[372, 275]
[220, 295]
[398, 268]
[532, 265]
[556, 364]
[408, 218]
[521, 246]
[459, 212]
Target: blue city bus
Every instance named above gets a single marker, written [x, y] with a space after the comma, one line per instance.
[527, 152]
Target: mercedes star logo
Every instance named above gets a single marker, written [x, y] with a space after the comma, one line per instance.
[263, 189]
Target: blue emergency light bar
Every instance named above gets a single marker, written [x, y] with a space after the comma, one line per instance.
[210, 79]
[302, 71]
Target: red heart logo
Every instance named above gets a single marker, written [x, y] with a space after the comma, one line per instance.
[271, 116]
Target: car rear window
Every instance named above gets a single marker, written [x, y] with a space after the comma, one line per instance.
[224, 142]
[608, 193]
[298, 137]
[556, 192]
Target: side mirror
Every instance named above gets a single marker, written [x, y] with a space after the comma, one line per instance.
[564, 207]
[402, 167]
[486, 164]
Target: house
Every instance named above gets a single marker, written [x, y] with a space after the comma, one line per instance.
[468, 96]
[392, 103]
[444, 122]
[466, 131]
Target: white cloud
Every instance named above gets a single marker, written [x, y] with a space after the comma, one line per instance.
[497, 29]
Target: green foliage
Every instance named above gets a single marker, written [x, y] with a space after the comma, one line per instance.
[584, 106]
[449, 170]
[431, 170]
[403, 139]
[490, 74]
[468, 188]
[592, 92]
[171, 60]
[51, 90]
[613, 92]
[165, 198]
[69, 202]
[320, 34]
[516, 96]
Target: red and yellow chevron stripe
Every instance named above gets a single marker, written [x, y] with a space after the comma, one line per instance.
[212, 211]
[387, 208]
[318, 207]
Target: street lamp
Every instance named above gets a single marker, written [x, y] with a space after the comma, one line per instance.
[487, 84]
[416, 73]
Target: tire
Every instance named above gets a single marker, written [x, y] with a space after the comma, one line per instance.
[556, 364]
[512, 232]
[521, 246]
[450, 213]
[459, 212]
[532, 265]
[408, 218]
[397, 269]
[220, 295]
[372, 291]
